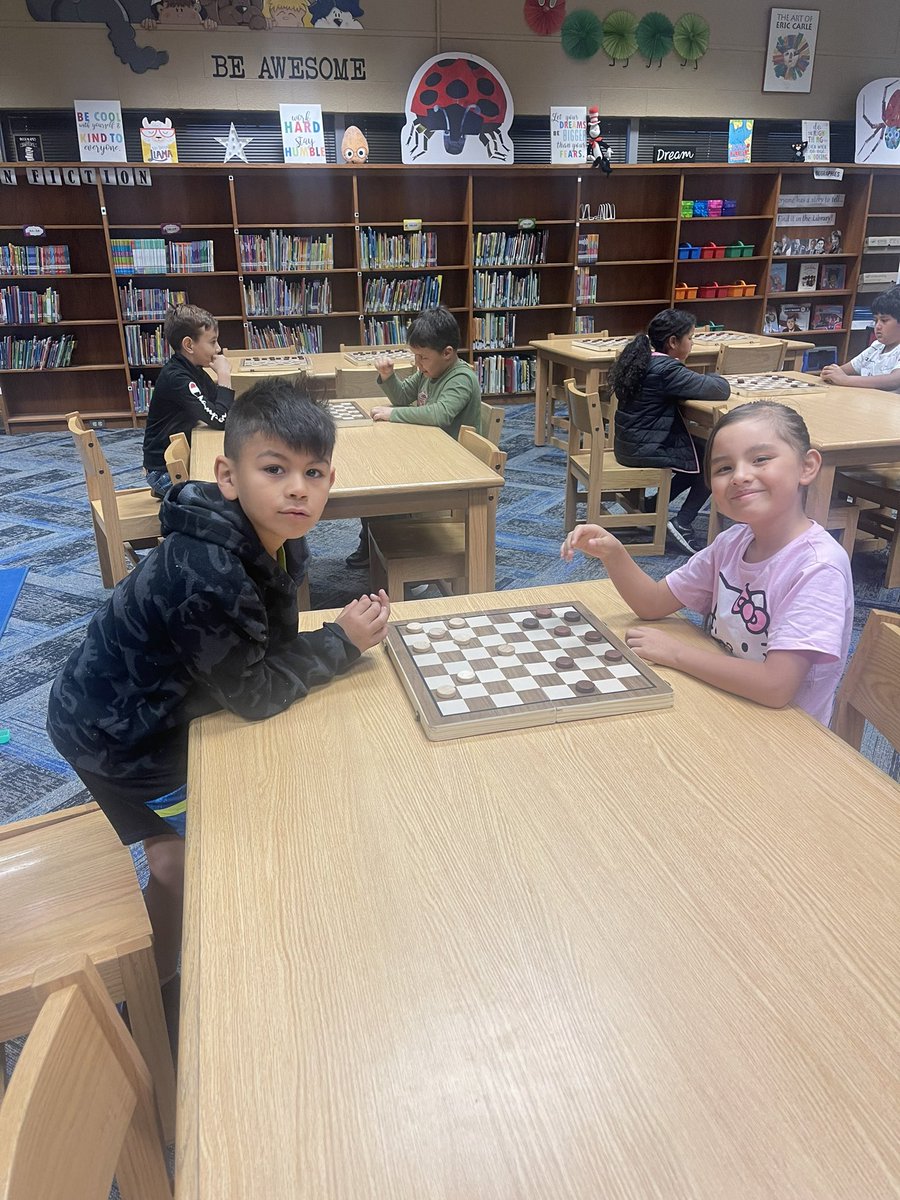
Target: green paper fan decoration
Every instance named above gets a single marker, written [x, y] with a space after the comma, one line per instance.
[619, 39]
[691, 38]
[654, 36]
[581, 34]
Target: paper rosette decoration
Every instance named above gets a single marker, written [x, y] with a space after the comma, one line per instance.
[654, 36]
[691, 38]
[582, 32]
[545, 16]
[619, 36]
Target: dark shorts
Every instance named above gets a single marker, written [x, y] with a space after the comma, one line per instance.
[130, 813]
[159, 483]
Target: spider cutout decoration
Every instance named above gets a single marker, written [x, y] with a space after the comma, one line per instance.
[888, 129]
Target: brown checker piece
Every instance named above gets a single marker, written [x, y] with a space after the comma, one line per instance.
[634, 693]
[348, 412]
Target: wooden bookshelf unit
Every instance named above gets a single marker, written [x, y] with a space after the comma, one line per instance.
[632, 224]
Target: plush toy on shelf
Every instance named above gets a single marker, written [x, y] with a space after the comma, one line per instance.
[354, 145]
[598, 149]
[799, 149]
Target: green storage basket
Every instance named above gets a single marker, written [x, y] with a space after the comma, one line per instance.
[687, 209]
[739, 250]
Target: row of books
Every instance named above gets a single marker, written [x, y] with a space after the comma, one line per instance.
[385, 331]
[402, 295]
[588, 247]
[811, 277]
[145, 348]
[792, 318]
[36, 354]
[397, 249]
[501, 249]
[494, 331]
[280, 251]
[307, 338]
[277, 297]
[505, 374]
[34, 260]
[141, 391]
[584, 325]
[21, 306]
[496, 290]
[156, 256]
[585, 287]
[148, 304]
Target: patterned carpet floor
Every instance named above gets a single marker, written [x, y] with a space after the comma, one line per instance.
[44, 525]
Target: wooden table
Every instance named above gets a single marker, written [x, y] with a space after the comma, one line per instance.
[850, 427]
[558, 358]
[643, 956]
[387, 468]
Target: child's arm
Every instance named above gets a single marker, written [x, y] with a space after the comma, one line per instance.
[400, 392]
[681, 383]
[846, 376]
[453, 396]
[649, 598]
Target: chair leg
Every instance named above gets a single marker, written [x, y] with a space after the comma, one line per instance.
[108, 567]
[140, 984]
[892, 574]
[571, 502]
[848, 536]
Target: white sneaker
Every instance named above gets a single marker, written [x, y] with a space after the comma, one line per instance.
[419, 590]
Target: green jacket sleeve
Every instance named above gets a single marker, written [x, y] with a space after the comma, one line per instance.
[452, 399]
[402, 392]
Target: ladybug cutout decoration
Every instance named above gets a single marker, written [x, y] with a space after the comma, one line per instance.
[886, 132]
[545, 17]
[458, 97]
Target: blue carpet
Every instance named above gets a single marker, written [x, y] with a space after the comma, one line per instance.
[46, 528]
[11, 580]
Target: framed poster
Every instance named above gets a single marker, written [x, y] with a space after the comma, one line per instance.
[817, 135]
[568, 136]
[790, 55]
[101, 137]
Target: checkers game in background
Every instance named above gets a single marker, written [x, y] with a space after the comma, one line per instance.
[275, 364]
[724, 337]
[514, 668]
[348, 412]
[601, 345]
[772, 385]
[366, 358]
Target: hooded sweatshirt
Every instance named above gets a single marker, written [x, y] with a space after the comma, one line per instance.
[184, 396]
[207, 621]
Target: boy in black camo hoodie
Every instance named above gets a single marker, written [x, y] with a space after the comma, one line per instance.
[208, 621]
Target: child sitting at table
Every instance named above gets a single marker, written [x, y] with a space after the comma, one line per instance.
[649, 379]
[775, 588]
[442, 391]
[207, 621]
[878, 366]
[185, 395]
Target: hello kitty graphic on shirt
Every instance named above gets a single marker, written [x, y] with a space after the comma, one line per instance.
[740, 620]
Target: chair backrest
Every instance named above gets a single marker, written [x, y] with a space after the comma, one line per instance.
[79, 1109]
[870, 690]
[492, 418]
[97, 475]
[178, 458]
[352, 382]
[746, 360]
[478, 445]
[589, 417]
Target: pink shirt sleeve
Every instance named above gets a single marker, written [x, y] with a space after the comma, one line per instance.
[812, 613]
[694, 584]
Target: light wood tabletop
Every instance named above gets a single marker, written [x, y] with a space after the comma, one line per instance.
[559, 355]
[848, 426]
[639, 956]
[388, 468]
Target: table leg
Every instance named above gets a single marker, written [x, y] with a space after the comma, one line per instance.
[818, 497]
[541, 399]
[481, 549]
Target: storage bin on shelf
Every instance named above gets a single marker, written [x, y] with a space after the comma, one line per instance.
[729, 208]
[708, 291]
[687, 209]
[711, 250]
[683, 292]
[686, 250]
[746, 289]
[739, 250]
[715, 207]
[701, 208]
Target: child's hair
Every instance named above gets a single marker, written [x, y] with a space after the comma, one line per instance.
[788, 424]
[186, 320]
[280, 409]
[887, 304]
[627, 375]
[434, 329]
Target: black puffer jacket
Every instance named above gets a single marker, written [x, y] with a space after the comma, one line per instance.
[650, 431]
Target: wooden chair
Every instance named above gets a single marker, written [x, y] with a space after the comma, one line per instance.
[67, 885]
[79, 1110]
[599, 474]
[870, 690]
[878, 488]
[352, 382]
[492, 419]
[122, 519]
[750, 360]
[178, 458]
[558, 422]
[423, 549]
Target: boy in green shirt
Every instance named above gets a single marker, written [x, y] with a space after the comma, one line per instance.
[442, 391]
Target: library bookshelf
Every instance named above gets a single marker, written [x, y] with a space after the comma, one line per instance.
[310, 257]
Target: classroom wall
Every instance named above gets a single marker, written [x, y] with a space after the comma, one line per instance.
[48, 64]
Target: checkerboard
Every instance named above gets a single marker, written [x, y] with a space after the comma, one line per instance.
[724, 336]
[276, 364]
[348, 412]
[522, 676]
[367, 358]
[609, 345]
[748, 385]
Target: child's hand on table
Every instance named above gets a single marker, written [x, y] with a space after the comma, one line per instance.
[653, 645]
[364, 621]
[382, 412]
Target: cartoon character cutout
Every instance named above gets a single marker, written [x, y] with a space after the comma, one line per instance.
[336, 14]
[158, 141]
[288, 14]
[178, 14]
[463, 100]
[354, 146]
[739, 624]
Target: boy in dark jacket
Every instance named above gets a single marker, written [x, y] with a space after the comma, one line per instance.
[185, 395]
[208, 621]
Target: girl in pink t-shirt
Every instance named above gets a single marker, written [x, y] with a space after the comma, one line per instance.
[775, 588]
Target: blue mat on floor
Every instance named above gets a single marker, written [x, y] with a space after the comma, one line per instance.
[11, 580]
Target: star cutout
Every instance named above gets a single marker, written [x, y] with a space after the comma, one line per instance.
[234, 145]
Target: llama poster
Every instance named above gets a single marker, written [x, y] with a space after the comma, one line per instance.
[791, 52]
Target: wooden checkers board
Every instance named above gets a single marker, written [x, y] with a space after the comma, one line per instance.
[474, 673]
[609, 345]
[772, 385]
[366, 358]
[276, 364]
[348, 412]
[725, 337]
